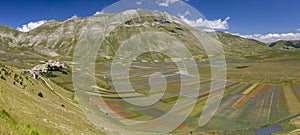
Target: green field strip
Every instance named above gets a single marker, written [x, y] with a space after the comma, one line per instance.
[140, 67]
[198, 108]
[219, 123]
[295, 91]
[226, 104]
[171, 99]
[248, 113]
[267, 96]
[184, 108]
[231, 84]
[208, 90]
[235, 113]
[198, 82]
[240, 89]
[292, 101]
[127, 94]
[279, 107]
[165, 106]
[243, 89]
[226, 110]
[263, 105]
[153, 112]
[259, 110]
[129, 114]
[271, 102]
[233, 88]
[282, 103]
[118, 97]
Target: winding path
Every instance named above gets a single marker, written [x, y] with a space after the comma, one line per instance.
[56, 93]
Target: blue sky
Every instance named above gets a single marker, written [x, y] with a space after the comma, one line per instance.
[258, 19]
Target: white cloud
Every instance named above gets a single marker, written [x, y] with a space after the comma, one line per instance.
[30, 26]
[209, 30]
[139, 2]
[99, 13]
[165, 3]
[298, 29]
[207, 24]
[74, 17]
[273, 37]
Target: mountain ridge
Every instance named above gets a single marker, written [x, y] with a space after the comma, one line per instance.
[286, 44]
[57, 38]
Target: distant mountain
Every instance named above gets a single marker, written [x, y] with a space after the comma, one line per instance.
[237, 47]
[57, 39]
[282, 44]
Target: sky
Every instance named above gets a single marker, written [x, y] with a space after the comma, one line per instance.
[264, 20]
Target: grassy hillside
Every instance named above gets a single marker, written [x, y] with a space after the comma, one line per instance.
[28, 106]
[286, 45]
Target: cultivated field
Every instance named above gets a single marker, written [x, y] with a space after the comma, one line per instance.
[247, 106]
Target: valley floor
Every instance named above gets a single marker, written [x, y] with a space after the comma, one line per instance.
[260, 98]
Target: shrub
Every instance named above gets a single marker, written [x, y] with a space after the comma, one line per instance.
[3, 113]
[40, 94]
[24, 86]
[3, 78]
[16, 76]
[6, 73]
[64, 72]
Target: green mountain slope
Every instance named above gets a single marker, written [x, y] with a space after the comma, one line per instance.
[282, 44]
[29, 106]
[57, 39]
[236, 47]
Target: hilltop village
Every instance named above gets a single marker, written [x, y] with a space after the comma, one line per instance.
[50, 65]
